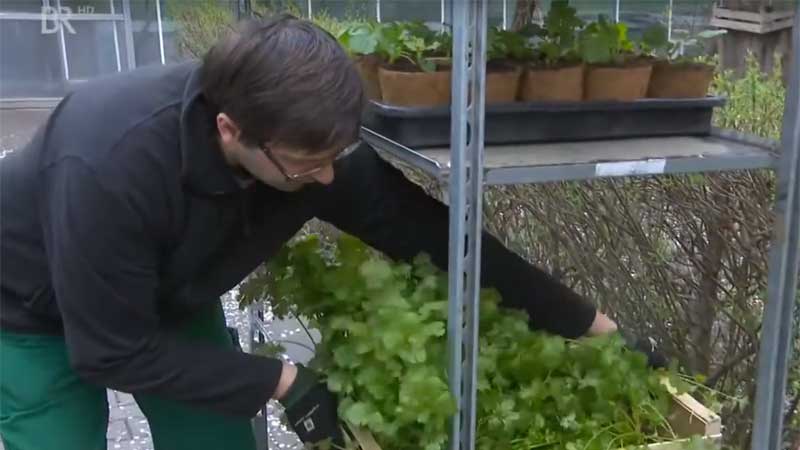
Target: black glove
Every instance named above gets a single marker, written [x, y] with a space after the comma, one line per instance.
[646, 346]
[311, 410]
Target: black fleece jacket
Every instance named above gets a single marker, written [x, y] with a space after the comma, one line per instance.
[121, 216]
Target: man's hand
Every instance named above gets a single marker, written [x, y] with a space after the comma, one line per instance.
[603, 324]
[648, 347]
[311, 410]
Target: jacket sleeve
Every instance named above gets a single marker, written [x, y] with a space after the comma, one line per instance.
[104, 267]
[374, 201]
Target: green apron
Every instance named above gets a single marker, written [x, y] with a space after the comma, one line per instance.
[45, 406]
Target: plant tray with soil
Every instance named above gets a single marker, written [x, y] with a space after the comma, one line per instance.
[533, 122]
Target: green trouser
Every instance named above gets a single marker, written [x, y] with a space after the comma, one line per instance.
[45, 406]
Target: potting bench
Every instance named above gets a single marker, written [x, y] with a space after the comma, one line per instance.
[467, 166]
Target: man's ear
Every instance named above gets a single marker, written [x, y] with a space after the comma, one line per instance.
[229, 132]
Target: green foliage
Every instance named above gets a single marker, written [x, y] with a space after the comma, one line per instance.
[383, 349]
[755, 100]
[360, 38]
[604, 42]
[655, 41]
[331, 24]
[559, 36]
[413, 42]
[201, 23]
[507, 45]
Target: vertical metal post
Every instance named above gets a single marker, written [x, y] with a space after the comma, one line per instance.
[505, 14]
[616, 11]
[161, 32]
[442, 14]
[669, 21]
[378, 10]
[310, 13]
[62, 40]
[776, 336]
[116, 37]
[466, 196]
[126, 12]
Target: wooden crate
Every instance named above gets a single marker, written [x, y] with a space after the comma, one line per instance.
[688, 418]
[750, 21]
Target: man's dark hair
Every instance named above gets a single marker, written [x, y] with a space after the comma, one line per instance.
[285, 80]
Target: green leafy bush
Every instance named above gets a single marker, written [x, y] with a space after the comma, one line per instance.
[383, 350]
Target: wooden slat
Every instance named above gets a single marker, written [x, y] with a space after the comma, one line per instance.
[753, 22]
[680, 444]
[746, 16]
[735, 25]
[778, 25]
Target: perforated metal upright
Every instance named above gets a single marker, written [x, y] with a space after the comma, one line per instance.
[776, 335]
[466, 199]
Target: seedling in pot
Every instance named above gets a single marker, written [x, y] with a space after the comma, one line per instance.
[361, 41]
[605, 42]
[412, 53]
[613, 73]
[556, 74]
[676, 75]
[558, 38]
[361, 38]
[411, 42]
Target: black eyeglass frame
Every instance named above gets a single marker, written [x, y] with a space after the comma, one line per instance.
[307, 173]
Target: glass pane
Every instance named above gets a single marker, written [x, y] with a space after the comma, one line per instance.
[589, 10]
[424, 10]
[145, 32]
[495, 13]
[91, 51]
[642, 14]
[21, 5]
[690, 17]
[30, 62]
[171, 50]
[92, 6]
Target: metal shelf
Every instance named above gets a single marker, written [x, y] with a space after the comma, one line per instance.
[565, 161]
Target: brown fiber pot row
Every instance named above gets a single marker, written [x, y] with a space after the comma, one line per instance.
[579, 82]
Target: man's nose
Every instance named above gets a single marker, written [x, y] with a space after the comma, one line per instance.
[324, 176]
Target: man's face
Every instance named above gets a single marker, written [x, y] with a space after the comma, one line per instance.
[275, 165]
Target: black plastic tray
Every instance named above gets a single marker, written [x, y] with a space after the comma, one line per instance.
[520, 122]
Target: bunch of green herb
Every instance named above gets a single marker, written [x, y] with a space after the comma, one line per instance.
[383, 350]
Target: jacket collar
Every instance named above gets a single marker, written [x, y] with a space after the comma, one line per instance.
[205, 170]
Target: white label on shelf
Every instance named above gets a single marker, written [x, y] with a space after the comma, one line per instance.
[650, 166]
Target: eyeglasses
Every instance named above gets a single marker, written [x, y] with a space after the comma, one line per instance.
[307, 173]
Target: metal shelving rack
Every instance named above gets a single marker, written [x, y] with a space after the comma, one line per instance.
[467, 166]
